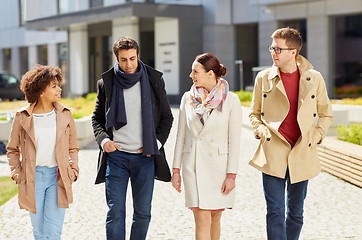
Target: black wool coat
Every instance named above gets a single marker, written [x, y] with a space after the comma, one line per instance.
[162, 118]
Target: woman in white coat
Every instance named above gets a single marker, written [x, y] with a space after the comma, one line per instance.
[208, 145]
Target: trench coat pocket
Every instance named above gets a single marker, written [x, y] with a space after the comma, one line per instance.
[315, 137]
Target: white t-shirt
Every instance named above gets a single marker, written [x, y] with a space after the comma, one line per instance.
[45, 128]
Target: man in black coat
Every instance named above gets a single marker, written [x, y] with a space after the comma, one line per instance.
[131, 123]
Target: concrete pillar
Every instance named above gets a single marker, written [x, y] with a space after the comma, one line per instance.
[220, 41]
[319, 48]
[2, 60]
[78, 59]
[33, 56]
[16, 62]
[167, 52]
[265, 30]
[53, 54]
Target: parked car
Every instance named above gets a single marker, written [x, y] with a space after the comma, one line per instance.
[9, 87]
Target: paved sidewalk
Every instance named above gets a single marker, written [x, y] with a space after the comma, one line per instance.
[332, 208]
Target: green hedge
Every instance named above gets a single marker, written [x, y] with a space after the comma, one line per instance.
[81, 107]
[351, 133]
[245, 97]
[348, 101]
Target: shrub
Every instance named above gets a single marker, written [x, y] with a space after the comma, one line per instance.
[245, 97]
[351, 133]
[81, 107]
[91, 97]
[348, 101]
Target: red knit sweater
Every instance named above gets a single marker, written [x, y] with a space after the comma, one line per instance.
[289, 127]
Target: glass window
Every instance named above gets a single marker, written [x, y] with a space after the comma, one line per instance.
[22, 12]
[7, 59]
[353, 26]
[43, 54]
[95, 3]
[348, 61]
[63, 6]
[24, 60]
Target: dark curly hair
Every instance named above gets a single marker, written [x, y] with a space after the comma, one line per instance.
[210, 62]
[36, 80]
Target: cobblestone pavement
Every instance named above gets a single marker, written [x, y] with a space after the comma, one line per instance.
[333, 208]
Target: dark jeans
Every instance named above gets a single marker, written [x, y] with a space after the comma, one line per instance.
[278, 227]
[121, 167]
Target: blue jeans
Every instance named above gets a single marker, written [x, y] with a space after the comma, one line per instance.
[278, 227]
[121, 167]
[48, 221]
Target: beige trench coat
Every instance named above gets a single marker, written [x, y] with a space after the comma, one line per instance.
[22, 142]
[206, 153]
[270, 106]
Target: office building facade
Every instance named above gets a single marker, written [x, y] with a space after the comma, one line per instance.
[78, 36]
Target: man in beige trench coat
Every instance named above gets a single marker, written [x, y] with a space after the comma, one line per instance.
[290, 114]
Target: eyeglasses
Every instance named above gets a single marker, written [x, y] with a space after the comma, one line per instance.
[278, 50]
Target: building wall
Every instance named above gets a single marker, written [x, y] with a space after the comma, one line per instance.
[318, 14]
[215, 30]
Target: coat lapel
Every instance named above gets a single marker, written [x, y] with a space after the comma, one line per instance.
[305, 87]
[27, 125]
[108, 83]
[193, 120]
[209, 122]
[62, 121]
[305, 83]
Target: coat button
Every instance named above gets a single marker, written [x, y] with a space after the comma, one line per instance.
[264, 95]
[312, 96]
[308, 78]
[314, 114]
[262, 114]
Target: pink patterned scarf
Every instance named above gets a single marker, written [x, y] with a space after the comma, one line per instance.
[204, 102]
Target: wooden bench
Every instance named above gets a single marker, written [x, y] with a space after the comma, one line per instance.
[342, 159]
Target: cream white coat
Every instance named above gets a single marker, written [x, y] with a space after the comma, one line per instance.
[206, 153]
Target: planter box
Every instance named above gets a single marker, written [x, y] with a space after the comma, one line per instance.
[342, 159]
[5, 127]
[84, 131]
[83, 126]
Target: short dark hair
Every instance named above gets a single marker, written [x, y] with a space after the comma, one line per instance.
[210, 62]
[292, 37]
[125, 43]
[36, 80]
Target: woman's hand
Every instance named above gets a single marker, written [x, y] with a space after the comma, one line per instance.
[176, 181]
[228, 185]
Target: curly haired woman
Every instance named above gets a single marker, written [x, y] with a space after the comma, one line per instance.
[43, 152]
